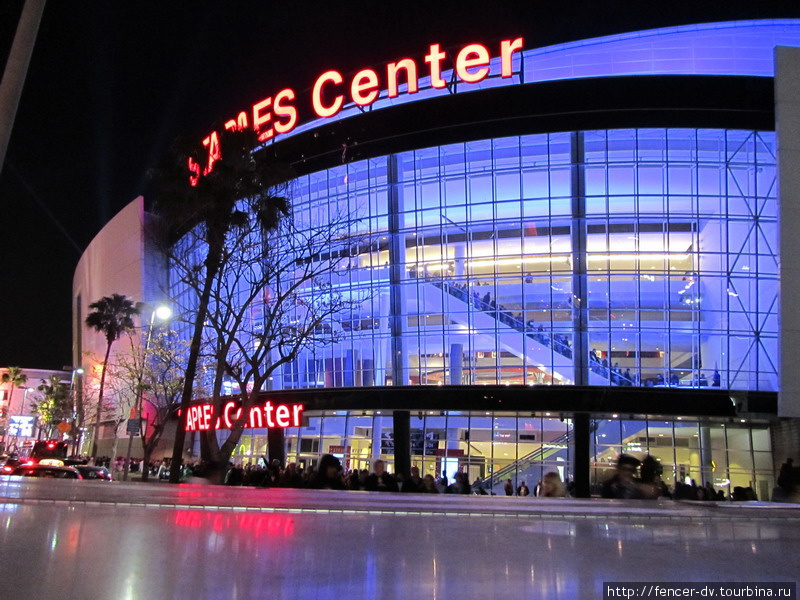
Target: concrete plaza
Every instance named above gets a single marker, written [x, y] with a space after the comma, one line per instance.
[62, 539]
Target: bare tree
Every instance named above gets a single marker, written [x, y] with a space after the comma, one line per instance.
[86, 403]
[122, 399]
[204, 196]
[272, 298]
[154, 373]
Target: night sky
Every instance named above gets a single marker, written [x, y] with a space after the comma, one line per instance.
[111, 84]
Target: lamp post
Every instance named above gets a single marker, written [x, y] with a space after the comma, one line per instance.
[76, 390]
[162, 313]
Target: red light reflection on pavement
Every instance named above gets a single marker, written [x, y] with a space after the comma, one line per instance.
[250, 522]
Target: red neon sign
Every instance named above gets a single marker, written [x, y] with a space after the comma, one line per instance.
[201, 416]
[277, 114]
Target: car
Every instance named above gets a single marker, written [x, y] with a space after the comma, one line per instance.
[47, 471]
[10, 463]
[90, 472]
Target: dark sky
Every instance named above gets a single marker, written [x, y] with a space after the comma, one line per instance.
[112, 83]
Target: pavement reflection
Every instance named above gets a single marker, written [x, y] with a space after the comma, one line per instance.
[134, 544]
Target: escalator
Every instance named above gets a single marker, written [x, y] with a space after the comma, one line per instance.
[550, 352]
[529, 468]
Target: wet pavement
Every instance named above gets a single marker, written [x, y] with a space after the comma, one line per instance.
[95, 540]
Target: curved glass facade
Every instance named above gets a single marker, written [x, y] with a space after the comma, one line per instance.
[623, 257]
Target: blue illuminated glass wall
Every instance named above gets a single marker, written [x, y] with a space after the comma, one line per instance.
[623, 257]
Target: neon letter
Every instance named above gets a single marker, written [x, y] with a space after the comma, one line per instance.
[435, 58]
[190, 419]
[507, 48]
[296, 410]
[194, 169]
[260, 119]
[411, 76]
[463, 62]
[226, 414]
[364, 81]
[205, 422]
[316, 94]
[255, 416]
[285, 110]
[268, 411]
[212, 143]
[282, 415]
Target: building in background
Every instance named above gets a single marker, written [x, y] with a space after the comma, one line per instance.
[119, 260]
[20, 423]
[572, 260]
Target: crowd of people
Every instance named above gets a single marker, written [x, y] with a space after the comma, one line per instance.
[632, 479]
[329, 474]
[635, 480]
[611, 372]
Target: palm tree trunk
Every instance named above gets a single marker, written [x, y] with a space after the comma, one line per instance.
[7, 420]
[100, 403]
[212, 267]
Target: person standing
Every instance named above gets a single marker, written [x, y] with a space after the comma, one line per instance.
[381, 480]
[328, 475]
[624, 484]
[552, 486]
[414, 483]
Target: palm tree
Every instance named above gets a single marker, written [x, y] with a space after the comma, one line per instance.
[17, 379]
[210, 201]
[55, 405]
[112, 316]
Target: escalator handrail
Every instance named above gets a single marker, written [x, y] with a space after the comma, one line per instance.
[542, 337]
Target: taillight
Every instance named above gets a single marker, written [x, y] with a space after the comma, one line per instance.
[8, 469]
[30, 463]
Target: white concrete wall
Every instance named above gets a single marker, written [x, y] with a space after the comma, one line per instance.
[121, 259]
[113, 263]
[787, 127]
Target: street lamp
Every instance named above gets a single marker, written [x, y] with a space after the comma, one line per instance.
[76, 391]
[162, 312]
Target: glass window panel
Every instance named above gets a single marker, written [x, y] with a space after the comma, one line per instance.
[508, 186]
[761, 439]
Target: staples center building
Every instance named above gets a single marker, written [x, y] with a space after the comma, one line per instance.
[576, 254]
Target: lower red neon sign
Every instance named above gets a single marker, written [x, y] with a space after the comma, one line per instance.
[201, 416]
